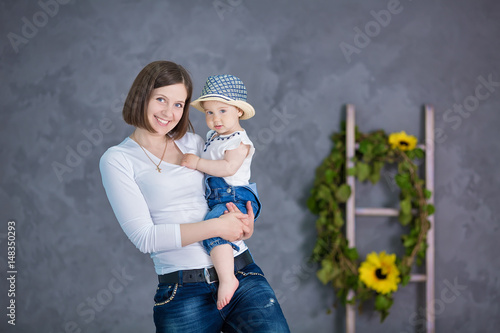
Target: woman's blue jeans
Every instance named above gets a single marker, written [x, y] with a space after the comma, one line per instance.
[218, 193]
[192, 307]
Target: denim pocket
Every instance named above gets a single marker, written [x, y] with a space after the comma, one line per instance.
[165, 293]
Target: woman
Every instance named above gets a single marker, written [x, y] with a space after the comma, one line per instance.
[161, 205]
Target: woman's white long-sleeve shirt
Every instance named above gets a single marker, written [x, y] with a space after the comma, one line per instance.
[150, 206]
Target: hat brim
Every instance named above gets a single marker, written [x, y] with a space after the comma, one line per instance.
[248, 110]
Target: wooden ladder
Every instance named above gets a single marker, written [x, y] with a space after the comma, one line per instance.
[352, 212]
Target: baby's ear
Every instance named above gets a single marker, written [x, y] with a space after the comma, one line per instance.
[240, 112]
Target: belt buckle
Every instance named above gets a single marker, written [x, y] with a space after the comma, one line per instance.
[206, 273]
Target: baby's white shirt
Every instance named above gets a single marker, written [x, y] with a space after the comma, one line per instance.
[216, 146]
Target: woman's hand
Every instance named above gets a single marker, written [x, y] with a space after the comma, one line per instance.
[248, 221]
[231, 226]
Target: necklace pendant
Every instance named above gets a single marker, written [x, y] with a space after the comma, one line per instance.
[158, 169]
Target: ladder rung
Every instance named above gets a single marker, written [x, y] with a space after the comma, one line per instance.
[377, 212]
[421, 146]
[418, 278]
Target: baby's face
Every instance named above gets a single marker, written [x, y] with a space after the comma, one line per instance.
[222, 117]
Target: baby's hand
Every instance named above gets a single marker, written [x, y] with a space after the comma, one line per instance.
[190, 161]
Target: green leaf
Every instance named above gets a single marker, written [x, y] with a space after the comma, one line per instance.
[317, 251]
[404, 270]
[404, 219]
[382, 304]
[352, 281]
[403, 180]
[427, 194]
[324, 193]
[324, 275]
[377, 166]
[419, 153]
[421, 253]
[336, 155]
[406, 166]
[343, 193]
[311, 204]
[328, 271]
[410, 154]
[329, 176]
[365, 147]
[419, 261]
[351, 171]
[321, 221]
[342, 295]
[352, 253]
[405, 206]
[380, 149]
[409, 241]
[374, 178]
[430, 209]
[375, 174]
[338, 219]
[405, 280]
[363, 171]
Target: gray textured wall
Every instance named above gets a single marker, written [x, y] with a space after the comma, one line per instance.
[64, 74]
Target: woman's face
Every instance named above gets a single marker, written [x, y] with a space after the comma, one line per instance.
[165, 107]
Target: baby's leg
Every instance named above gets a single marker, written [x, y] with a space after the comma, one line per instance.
[222, 257]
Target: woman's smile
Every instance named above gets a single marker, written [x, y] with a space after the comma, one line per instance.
[161, 121]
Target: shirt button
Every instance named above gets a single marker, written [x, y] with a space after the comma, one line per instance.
[228, 190]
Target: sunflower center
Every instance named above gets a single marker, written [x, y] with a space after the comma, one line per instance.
[404, 143]
[380, 275]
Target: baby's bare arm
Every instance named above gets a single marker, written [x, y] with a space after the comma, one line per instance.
[233, 159]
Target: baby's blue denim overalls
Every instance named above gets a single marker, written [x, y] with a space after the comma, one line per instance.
[218, 193]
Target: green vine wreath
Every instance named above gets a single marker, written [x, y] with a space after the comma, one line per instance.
[381, 274]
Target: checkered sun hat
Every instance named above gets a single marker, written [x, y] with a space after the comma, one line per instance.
[227, 89]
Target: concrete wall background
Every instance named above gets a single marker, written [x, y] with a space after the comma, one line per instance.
[66, 73]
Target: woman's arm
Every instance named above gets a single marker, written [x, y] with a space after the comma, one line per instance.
[130, 207]
[232, 226]
[233, 159]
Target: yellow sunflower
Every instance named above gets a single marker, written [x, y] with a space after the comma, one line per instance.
[402, 141]
[379, 272]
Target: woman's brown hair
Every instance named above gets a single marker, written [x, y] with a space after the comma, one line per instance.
[155, 75]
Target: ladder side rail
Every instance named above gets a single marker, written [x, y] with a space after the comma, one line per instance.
[350, 206]
[430, 252]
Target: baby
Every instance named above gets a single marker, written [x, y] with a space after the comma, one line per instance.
[226, 161]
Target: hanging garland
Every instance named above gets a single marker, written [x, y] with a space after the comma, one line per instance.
[380, 274]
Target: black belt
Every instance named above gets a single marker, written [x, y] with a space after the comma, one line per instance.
[208, 275]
